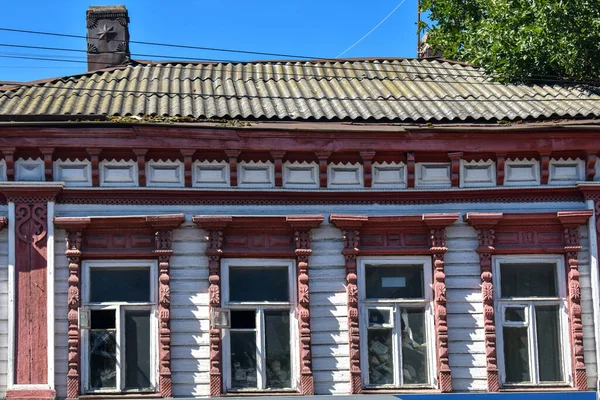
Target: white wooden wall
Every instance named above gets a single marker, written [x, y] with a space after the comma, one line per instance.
[189, 295]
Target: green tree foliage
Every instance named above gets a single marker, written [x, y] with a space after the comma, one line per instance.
[519, 40]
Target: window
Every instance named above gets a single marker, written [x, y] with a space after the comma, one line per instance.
[260, 349]
[395, 311]
[531, 320]
[119, 347]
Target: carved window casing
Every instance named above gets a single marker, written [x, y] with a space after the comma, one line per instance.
[103, 238]
[408, 235]
[260, 238]
[531, 234]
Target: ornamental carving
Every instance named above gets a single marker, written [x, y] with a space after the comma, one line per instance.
[74, 239]
[164, 240]
[215, 244]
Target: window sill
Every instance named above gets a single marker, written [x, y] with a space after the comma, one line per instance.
[250, 393]
[539, 388]
[425, 390]
[96, 396]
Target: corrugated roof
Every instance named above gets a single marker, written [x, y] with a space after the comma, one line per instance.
[378, 90]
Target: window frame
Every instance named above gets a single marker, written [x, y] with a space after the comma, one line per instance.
[261, 307]
[529, 303]
[120, 308]
[396, 305]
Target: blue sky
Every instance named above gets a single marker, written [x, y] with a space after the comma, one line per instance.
[322, 28]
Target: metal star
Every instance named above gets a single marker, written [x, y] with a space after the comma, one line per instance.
[105, 32]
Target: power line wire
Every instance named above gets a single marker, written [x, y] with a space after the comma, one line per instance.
[372, 30]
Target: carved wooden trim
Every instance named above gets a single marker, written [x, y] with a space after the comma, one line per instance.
[48, 166]
[94, 154]
[367, 156]
[140, 155]
[455, 167]
[531, 233]
[323, 157]
[410, 168]
[9, 157]
[79, 229]
[544, 168]
[500, 161]
[395, 235]
[590, 166]
[187, 165]
[278, 165]
[233, 162]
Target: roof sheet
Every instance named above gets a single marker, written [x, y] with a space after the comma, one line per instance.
[378, 90]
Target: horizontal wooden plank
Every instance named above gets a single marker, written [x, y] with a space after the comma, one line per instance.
[189, 326]
[467, 361]
[183, 378]
[342, 350]
[329, 338]
[325, 311]
[185, 365]
[337, 388]
[189, 339]
[188, 352]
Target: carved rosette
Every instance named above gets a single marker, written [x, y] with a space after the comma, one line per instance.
[572, 248]
[215, 245]
[352, 240]
[73, 254]
[486, 242]
[163, 241]
[303, 251]
[438, 249]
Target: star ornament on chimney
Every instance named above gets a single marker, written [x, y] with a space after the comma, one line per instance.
[105, 32]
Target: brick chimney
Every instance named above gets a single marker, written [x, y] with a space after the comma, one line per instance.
[108, 36]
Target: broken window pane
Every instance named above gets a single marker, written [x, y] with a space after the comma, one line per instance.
[394, 282]
[243, 359]
[120, 284]
[414, 346]
[277, 351]
[103, 358]
[137, 350]
[381, 358]
[258, 284]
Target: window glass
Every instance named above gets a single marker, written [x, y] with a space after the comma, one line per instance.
[516, 354]
[514, 314]
[103, 350]
[243, 319]
[277, 343]
[258, 284]
[393, 281]
[381, 356]
[414, 346]
[243, 359]
[548, 342]
[528, 280]
[120, 285]
[137, 349]
[379, 317]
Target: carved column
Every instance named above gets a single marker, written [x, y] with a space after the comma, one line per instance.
[352, 240]
[164, 240]
[215, 245]
[438, 249]
[572, 248]
[73, 254]
[455, 167]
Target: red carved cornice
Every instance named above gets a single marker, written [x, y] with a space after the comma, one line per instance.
[396, 235]
[260, 236]
[30, 192]
[119, 238]
[531, 233]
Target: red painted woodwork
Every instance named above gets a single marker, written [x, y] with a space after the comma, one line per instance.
[31, 394]
[500, 160]
[323, 157]
[94, 153]
[590, 166]
[544, 168]
[10, 162]
[396, 235]
[531, 233]
[278, 164]
[410, 170]
[367, 157]
[260, 237]
[103, 237]
[233, 160]
[140, 155]
[187, 165]
[48, 167]
[455, 167]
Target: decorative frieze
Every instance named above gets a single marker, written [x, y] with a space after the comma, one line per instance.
[433, 175]
[389, 175]
[259, 174]
[210, 174]
[300, 175]
[115, 173]
[566, 172]
[525, 172]
[73, 172]
[30, 170]
[166, 173]
[477, 173]
[345, 176]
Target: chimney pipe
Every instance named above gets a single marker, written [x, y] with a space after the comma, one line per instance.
[107, 36]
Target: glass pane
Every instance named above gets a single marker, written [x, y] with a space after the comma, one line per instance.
[548, 337]
[514, 314]
[243, 319]
[120, 284]
[103, 359]
[392, 281]
[414, 346]
[102, 319]
[516, 355]
[528, 280]
[258, 284]
[277, 351]
[379, 317]
[137, 349]
[381, 356]
[243, 360]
